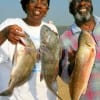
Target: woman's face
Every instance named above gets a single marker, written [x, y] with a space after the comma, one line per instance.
[36, 9]
[82, 9]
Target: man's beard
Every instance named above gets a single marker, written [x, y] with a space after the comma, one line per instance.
[82, 18]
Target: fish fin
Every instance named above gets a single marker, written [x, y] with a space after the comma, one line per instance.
[14, 59]
[84, 91]
[53, 87]
[41, 76]
[7, 92]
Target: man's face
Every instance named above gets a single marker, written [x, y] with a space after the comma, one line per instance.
[81, 9]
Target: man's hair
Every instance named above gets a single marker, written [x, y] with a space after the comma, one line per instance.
[25, 2]
[71, 8]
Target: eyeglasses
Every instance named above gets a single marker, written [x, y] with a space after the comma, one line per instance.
[42, 2]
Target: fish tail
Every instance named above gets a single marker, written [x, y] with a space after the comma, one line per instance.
[58, 96]
[74, 95]
[53, 87]
[41, 76]
[7, 92]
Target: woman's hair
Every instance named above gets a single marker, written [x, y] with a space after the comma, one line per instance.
[25, 2]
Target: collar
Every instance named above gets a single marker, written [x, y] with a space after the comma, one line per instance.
[76, 29]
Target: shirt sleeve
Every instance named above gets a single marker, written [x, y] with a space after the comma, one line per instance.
[67, 42]
[4, 24]
[7, 47]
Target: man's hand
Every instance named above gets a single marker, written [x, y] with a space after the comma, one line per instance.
[71, 59]
[71, 55]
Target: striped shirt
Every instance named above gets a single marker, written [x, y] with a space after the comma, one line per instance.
[69, 39]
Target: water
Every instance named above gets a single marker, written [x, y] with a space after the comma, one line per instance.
[61, 29]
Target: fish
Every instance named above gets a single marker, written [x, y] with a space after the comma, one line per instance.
[84, 61]
[23, 63]
[50, 49]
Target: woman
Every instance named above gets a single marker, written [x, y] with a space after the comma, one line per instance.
[12, 29]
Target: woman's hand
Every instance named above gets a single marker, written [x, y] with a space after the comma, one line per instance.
[13, 33]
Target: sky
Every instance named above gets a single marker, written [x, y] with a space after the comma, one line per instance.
[58, 11]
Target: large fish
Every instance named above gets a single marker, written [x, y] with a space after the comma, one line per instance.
[84, 61]
[24, 60]
[50, 55]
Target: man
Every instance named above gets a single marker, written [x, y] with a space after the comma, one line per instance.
[82, 11]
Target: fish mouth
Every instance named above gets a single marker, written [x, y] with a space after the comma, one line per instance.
[21, 41]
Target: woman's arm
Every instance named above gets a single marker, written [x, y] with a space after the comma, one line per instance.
[3, 37]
